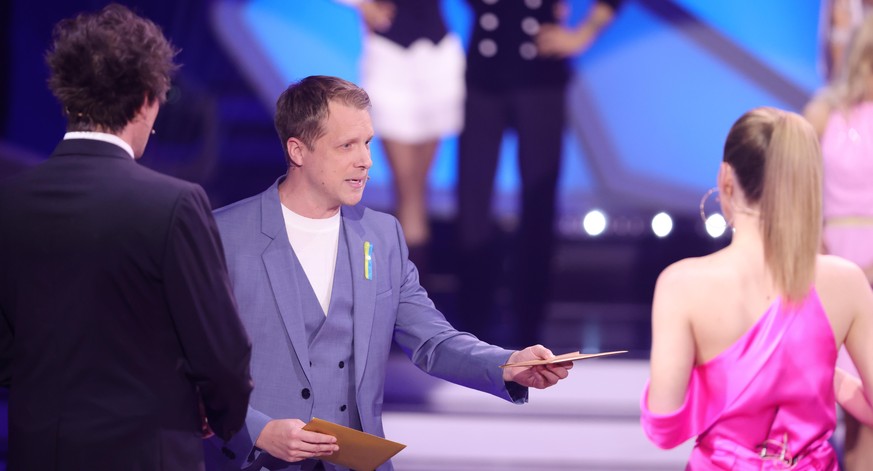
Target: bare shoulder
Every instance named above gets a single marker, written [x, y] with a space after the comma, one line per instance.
[688, 271]
[683, 281]
[844, 293]
[832, 266]
[838, 277]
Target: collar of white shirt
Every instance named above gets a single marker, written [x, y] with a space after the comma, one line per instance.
[101, 136]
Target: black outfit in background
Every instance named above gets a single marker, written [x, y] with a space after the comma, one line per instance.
[115, 309]
[413, 20]
[509, 86]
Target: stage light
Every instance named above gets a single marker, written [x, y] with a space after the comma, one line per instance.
[715, 225]
[594, 223]
[662, 224]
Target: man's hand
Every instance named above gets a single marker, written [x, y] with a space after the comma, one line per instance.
[285, 439]
[540, 376]
[205, 429]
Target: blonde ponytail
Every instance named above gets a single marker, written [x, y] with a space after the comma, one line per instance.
[791, 204]
[778, 163]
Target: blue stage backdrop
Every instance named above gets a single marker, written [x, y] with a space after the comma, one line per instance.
[651, 101]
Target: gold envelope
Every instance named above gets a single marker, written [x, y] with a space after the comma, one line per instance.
[357, 450]
[573, 356]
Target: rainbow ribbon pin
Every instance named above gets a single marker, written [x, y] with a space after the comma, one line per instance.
[368, 260]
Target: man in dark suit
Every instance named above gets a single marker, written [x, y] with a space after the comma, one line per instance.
[119, 335]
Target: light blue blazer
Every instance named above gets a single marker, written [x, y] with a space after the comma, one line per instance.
[389, 304]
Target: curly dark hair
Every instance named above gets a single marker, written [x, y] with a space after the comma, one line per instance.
[104, 65]
[302, 108]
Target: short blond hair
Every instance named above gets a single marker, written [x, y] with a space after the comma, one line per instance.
[302, 109]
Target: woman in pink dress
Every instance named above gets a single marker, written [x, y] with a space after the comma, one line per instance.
[843, 118]
[745, 340]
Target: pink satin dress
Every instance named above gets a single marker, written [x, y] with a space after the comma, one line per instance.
[765, 403]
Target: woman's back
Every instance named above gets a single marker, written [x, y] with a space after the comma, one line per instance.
[744, 341]
[733, 291]
[770, 393]
[762, 379]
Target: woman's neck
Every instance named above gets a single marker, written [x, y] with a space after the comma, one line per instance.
[747, 232]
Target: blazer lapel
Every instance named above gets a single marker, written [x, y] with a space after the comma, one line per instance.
[363, 289]
[279, 262]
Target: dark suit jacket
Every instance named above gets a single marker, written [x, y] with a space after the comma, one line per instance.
[115, 309]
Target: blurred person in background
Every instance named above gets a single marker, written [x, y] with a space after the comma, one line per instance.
[517, 72]
[842, 115]
[838, 20]
[413, 69]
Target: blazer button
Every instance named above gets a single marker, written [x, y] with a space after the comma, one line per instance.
[343, 408]
[305, 393]
[342, 364]
[228, 452]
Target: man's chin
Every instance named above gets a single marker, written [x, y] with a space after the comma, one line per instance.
[352, 200]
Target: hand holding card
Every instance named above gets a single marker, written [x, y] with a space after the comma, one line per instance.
[573, 356]
[357, 450]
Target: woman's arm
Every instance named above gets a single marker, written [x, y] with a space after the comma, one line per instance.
[673, 350]
[851, 392]
[850, 395]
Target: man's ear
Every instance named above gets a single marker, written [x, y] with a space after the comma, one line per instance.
[295, 150]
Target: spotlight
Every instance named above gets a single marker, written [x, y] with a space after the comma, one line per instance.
[594, 223]
[662, 224]
[715, 225]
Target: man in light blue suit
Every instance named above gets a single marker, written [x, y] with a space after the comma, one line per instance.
[324, 286]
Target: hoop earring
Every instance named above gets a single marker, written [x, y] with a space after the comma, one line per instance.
[703, 200]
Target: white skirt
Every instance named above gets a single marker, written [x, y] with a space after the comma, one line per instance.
[417, 93]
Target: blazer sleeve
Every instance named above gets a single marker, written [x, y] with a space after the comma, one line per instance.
[438, 348]
[240, 452]
[204, 313]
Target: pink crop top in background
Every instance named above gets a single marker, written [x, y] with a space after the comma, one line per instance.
[847, 188]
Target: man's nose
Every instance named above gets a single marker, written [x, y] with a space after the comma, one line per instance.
[365, 160]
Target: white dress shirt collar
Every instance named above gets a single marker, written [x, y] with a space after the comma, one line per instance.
[101, 136]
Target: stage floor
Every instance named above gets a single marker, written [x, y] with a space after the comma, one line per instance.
[589, 421]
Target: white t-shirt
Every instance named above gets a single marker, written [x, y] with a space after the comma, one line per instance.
[315, 243]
